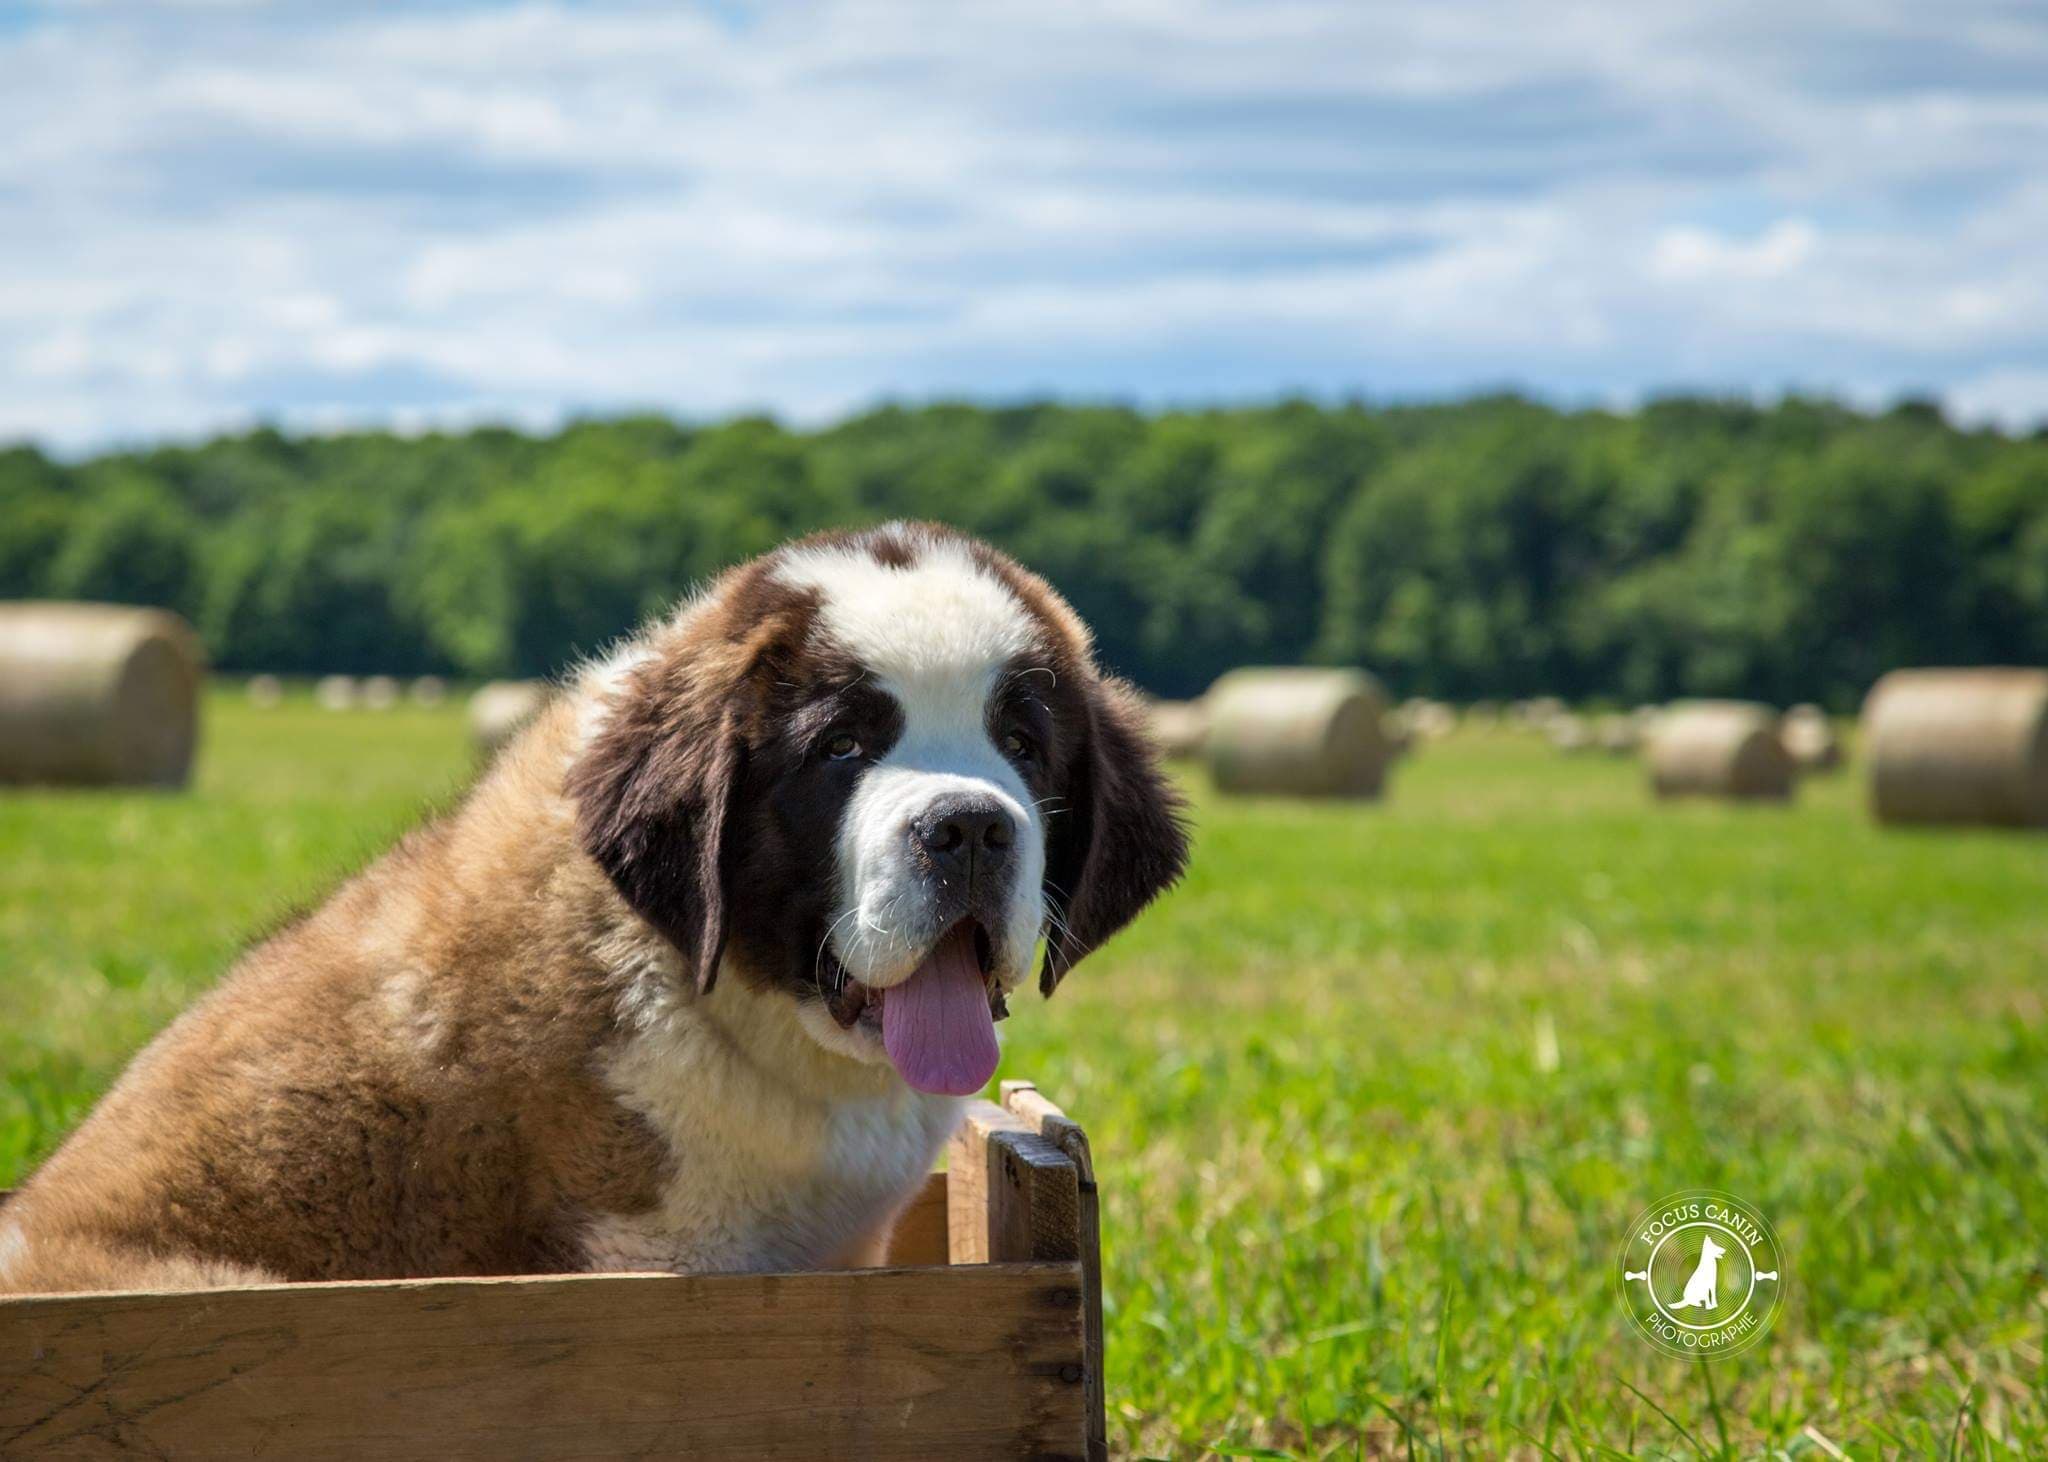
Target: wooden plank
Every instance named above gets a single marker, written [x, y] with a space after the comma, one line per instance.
[1017, 1192]
[968, 1194]
[1022, 1099]
[919, 1236]
[1012, 1195]
[884, 1363]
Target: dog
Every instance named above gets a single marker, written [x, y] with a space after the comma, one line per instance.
[1703, 1289]
[695, 978]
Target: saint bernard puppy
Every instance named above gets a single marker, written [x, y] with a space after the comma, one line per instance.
[694, 979]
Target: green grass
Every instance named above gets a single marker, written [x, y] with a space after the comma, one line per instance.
[1372, 1096]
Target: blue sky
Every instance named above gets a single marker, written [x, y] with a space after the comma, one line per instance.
[327, 215]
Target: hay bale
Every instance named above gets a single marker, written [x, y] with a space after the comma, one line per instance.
[1568, 733]
[429, 690]
[379, 693]
[1719, 749]
[1179, 727]
[1959, 746]
[1810, 737]
[265, 691]
[1539, 711]
[97, 695]
[1400, 736]
[1423, 719]
[1617, 735]
[500, 709]
[1297, 732]
[335, 692]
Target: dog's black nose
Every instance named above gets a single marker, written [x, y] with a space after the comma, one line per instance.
[965, 834]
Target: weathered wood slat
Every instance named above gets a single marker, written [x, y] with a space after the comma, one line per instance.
[1022, 1099]
[1021, 1186]
[887, 1363]
[920, 1233]
[1012, 1195]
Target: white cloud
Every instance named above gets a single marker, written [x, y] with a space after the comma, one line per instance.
[1696, 253]
[2016, 400]
[327, 214]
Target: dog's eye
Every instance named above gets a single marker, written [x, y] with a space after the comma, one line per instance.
[843, 747]
[1017, 746]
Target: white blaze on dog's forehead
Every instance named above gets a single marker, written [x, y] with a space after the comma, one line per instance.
[935, 618]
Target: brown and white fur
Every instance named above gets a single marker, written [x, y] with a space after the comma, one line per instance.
[618, 1009]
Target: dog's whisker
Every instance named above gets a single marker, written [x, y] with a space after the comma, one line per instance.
[818, 963]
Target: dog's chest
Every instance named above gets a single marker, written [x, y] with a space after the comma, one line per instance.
[760, 1180]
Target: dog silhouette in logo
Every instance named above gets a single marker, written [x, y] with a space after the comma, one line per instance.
[1703, 1290]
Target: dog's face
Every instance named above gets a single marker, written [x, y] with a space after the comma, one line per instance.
[872, 772]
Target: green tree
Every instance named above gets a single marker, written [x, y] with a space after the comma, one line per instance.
[127, 540]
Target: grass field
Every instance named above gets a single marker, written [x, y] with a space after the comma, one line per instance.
[1373, 1095]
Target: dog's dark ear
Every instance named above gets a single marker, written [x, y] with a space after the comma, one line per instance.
[1123, 840]
[654, 794]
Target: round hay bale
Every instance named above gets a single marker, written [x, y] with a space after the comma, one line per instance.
[97, 695]
[1539, 711]
[265, 691]
[1719, 749]
[429, 690]
[1398, 727]
[1423, 719]
[1297, 732]
[500, 709]
[1617, 735]
[1810, 737]
[1568, 733]
[335, 692]
[1180, 727]
[380, 693]
[1959, 746]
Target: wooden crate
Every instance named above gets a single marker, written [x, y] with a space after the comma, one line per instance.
[982, 1338]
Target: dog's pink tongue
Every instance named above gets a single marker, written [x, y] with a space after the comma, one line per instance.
[936, 1025]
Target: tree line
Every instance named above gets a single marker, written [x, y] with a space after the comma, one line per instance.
[1488, 548]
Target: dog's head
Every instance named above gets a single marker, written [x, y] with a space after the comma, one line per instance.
[873, 771]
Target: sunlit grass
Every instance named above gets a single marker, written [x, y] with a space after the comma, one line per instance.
[1372, 1095]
